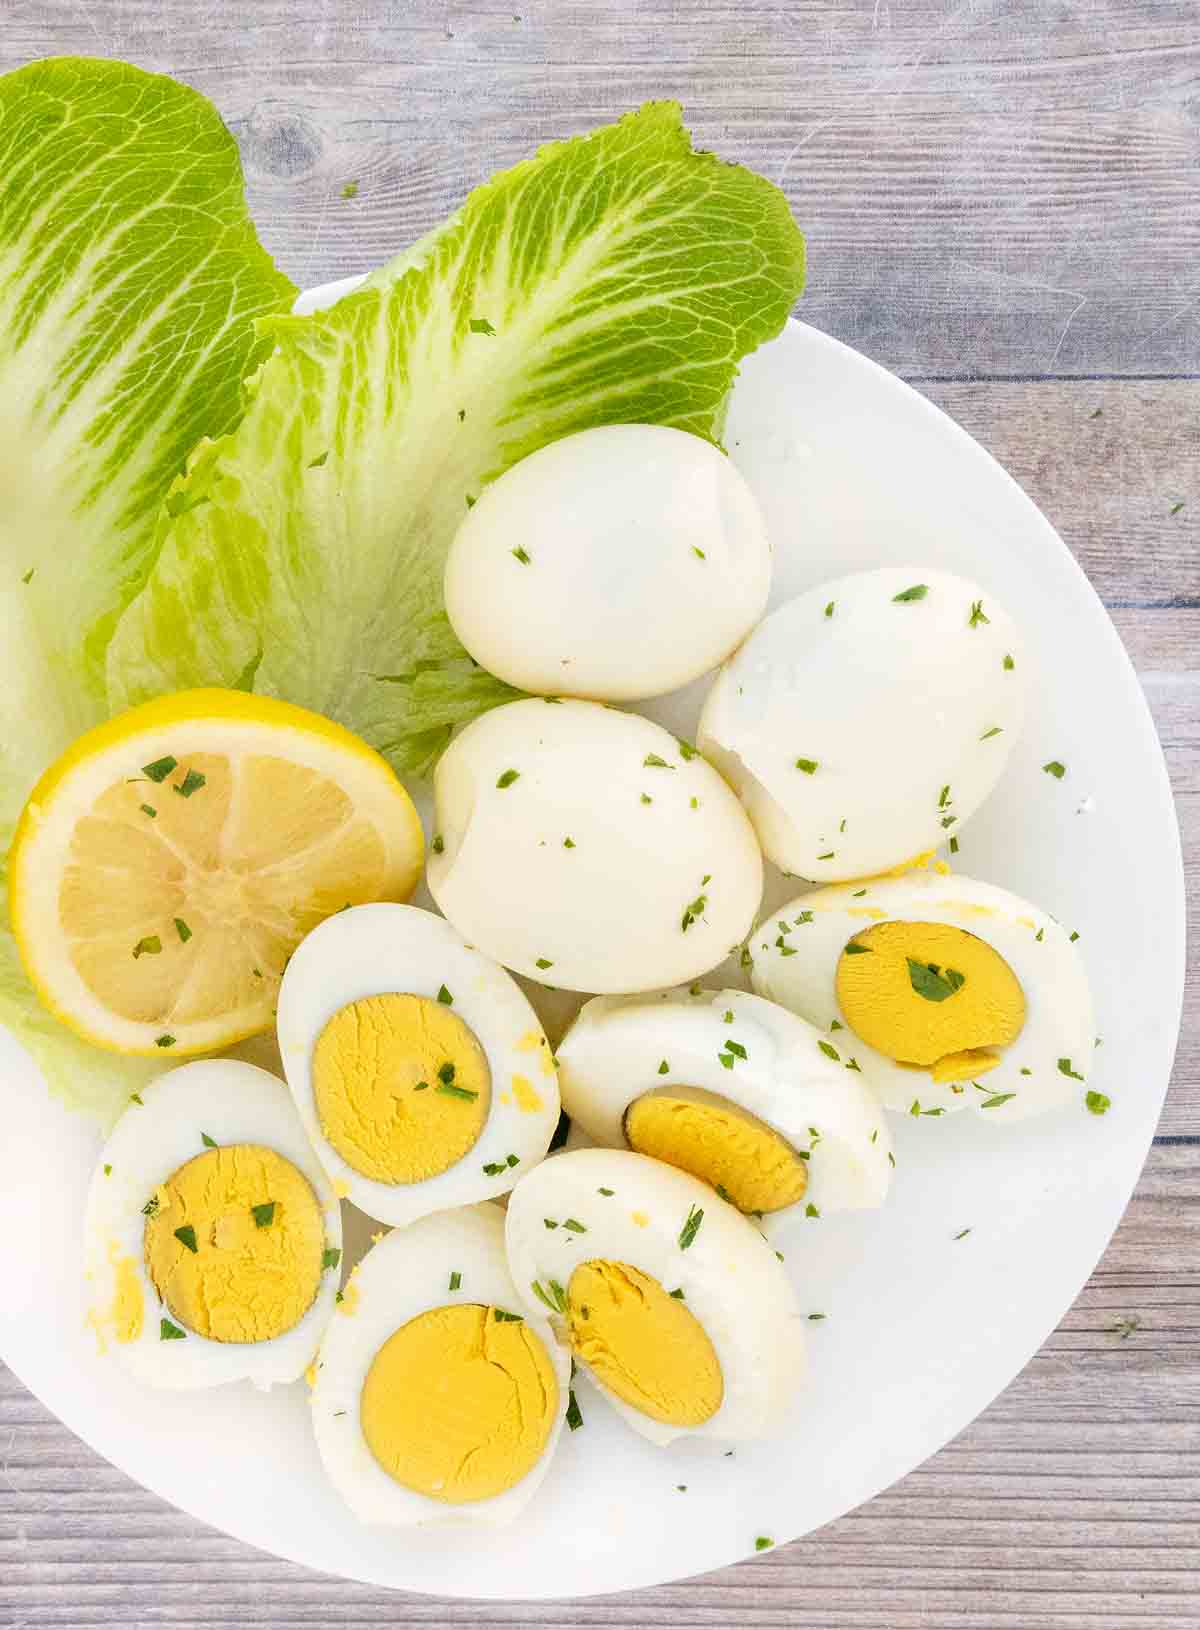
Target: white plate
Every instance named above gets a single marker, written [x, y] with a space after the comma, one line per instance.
[854, 469]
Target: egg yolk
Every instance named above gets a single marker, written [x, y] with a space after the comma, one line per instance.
[459, 1405]
[930, 995]
[402, 1087]
[643, 1344]
[234, 1242]
[741, 1156]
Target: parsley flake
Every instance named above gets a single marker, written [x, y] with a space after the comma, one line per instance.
[150, 945]
[168, 1331]
[1064, 1068]
[808, 765]
[164, 1041]
[977, 615]
[829, 608]
[691, 1227]
[187, 1237]
[762, 1543]
[448, 1090]
[160, 769]
[988, 734]
[182, 929]
[830, 1051]
[507, 778]
[652, 761]
[264, 1215]
[192, 782]
[1098, 1102]
[444, 997]
[330, 1257]
[917, 592]
[521, 554]
[480, 325]
[929, 981]
[1055, 768]
[574, 1414]
[1009, 664]
[664, 1068]
[209, 1143]
[149, 809]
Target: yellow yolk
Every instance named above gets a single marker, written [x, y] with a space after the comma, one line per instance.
[931, 995]
[528, 1101]
[459, 1405]
[402, 1087]
[235, 1242]
[706, 1135]
[123, 1315]
[643, 1344]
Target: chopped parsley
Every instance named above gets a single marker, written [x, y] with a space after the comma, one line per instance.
[149, 809]
[1055, 768]
[608, 1193]
[815, 1318]
[808, 765]
[543, 962]
[182, 929]
[762, 1543]
[512, 1160]
[693, 912]
[996, 1100]
[163, 1041]
[736, 1048]
[1064, 1068]
[152, 1206]
[929, 981]
[917, 592]
[804, 917]
[549, 1222]
[853, 948]
[574, 1414]
[1009, 664]
[1073, 936]
[160, 769]
[988, 734]
[507, 778]
[646, 798]
[493, 1168]
[503, 1316]
[686, 750]
[438, 843]
[830, 1051]
[811, 1210]
[552, 1294]
[944, 796]
[264, 1215]
[664, 1068]
[568, 843]
[953, 845]
[350, 190]
[948, 821]
[107, 1170]
[652, 761]
[480, 325]
[446, 1073]
[574, 1226]
[829, 854]
[829, 608]
[521, 554]
[698, 552]
[330, 1257]
[151, 945]
[691, 1227]
[168, 1331]
[449, 1090]
[677, 1294]
[187, 1237]
[1098, 1102]
[192, 782]
[962, 1234]
[977, 615]
[1176, 507]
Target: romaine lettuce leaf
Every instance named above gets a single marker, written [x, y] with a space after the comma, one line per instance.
[616, 277]
[130, 276]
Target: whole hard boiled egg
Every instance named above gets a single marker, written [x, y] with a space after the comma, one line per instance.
[419, 1069]
[624, 561]
[212, 1236]
[668, 1297]
[863, 722]
[950, 993]
[589, 849]
[735, 1090]
[436, 1398]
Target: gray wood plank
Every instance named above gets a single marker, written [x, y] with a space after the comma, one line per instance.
[987, 186]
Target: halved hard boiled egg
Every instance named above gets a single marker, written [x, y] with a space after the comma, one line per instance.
[418, 1067]
[212, 1236]
[589, 849]
[951, 993]
[863, 722]
[436, 1396]
[671, 1300]
[735, 1090]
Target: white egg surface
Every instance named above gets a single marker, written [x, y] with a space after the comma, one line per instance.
[212, 1235]
[420, 1071]
[623, 539]
[951, 993]
[733, 1089]
[671, 1300]
[589, 849]
[863, 722]
[418, 1379]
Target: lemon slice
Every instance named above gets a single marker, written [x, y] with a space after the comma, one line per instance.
[167, 865]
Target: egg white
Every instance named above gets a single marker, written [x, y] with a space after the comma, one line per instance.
[405, 1274]
[731, 1278]
[606, 910]
[892, 701]
[1059, 1020]
[231, 1102]
[374, 949]
[614, 1051]
[619, 538]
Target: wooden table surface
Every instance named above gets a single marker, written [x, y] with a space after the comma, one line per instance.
[1001, 202]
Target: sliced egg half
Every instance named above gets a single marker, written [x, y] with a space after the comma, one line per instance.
[863, 722]
[671, 1300]
[418, 1067]
[436, 1396]
[735, 1090]
[951, 993]
[212, 1236]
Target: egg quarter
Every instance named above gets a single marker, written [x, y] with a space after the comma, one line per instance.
[212, 1234]
[442, 1400]
[734, 1089]
[982, 997]
[670, 1299]
[417, 1065]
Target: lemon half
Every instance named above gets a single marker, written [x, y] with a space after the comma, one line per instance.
[167, 865]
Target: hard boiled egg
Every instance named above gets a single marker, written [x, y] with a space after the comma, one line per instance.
[590, 849]
[735, 1090]
[418, 1067]
[950, 993]
[863, 722]
[435, 1398]
[212, 1236]
[670, 1299]
[617, 563]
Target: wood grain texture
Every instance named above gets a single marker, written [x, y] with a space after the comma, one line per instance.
[1000, 200]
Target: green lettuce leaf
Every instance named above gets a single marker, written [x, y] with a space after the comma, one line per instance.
[617, 277]
[130, 278]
